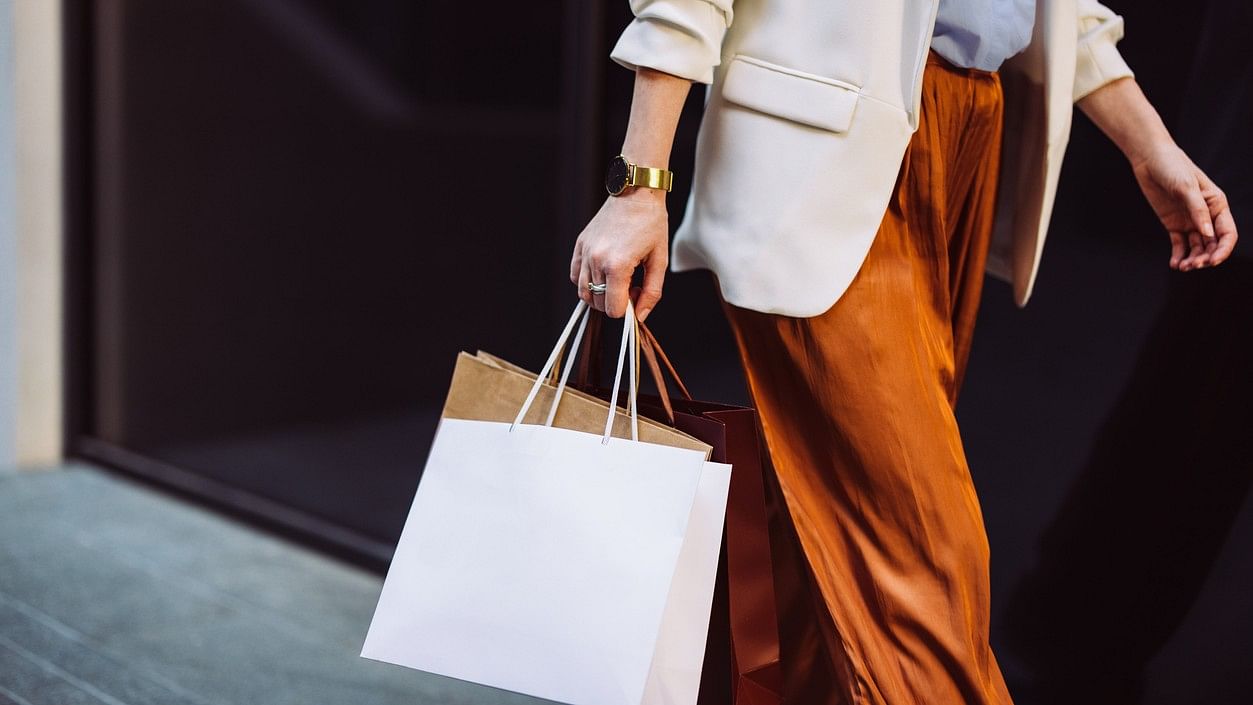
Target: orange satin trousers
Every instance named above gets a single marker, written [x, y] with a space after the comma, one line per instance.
[883, 599]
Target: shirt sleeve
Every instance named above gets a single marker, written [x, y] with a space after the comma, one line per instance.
[1098, 61]
[679, 37]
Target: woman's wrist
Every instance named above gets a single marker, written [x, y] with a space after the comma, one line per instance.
[647, 150]
[641, 196]
[1121, 110]
[1140, 148]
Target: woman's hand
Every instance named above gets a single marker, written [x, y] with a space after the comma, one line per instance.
[628, 230]
[1192, 208]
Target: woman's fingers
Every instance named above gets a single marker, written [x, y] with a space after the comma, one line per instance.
[598, 278]
[585, 276]
[1207, 247]
[576, 262]
[614, 300]
[1177, 249]
[654, 276]
[598, 264]
[1198, 210]
[618, 290]
[1214, 235]
[1195, 249]
[1225, 227]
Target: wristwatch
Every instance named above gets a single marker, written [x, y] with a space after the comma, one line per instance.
[622, 174]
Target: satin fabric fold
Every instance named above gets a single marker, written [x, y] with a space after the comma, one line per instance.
[879, 549]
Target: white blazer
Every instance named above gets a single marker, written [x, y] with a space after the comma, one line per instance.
[809, 109]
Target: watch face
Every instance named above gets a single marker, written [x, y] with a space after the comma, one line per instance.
[616, 176]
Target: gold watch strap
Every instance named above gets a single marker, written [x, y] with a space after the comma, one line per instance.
[652, 177]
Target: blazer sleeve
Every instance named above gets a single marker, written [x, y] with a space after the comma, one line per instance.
[679, 37]
[1098, 61]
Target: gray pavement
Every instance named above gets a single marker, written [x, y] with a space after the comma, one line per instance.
[114, 594]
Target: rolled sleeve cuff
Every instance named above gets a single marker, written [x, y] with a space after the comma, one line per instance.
[679, 37]
[1098, 61]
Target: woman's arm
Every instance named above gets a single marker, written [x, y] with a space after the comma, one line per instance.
[633, 228]
[1192, 208]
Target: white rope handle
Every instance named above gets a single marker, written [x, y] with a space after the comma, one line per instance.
[580, 315]
[565, 374]
[580, 309]
[628, 340]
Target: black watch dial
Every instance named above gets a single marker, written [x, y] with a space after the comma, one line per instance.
[616, 176]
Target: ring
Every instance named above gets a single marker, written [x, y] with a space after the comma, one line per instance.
[597, 288]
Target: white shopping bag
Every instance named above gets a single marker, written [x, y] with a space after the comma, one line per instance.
[680, 655]
[561, 564]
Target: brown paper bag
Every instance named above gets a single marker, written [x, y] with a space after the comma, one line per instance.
[486, 388]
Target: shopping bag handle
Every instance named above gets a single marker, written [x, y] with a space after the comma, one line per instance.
[580, 316]
[649, 347]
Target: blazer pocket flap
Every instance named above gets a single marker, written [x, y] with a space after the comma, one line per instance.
[812, 100]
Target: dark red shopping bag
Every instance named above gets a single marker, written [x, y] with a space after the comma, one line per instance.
[742, 665]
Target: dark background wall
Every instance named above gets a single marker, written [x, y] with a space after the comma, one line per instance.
[289, 215]
[1107, 423]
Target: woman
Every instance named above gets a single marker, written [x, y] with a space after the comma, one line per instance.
[849, 196]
